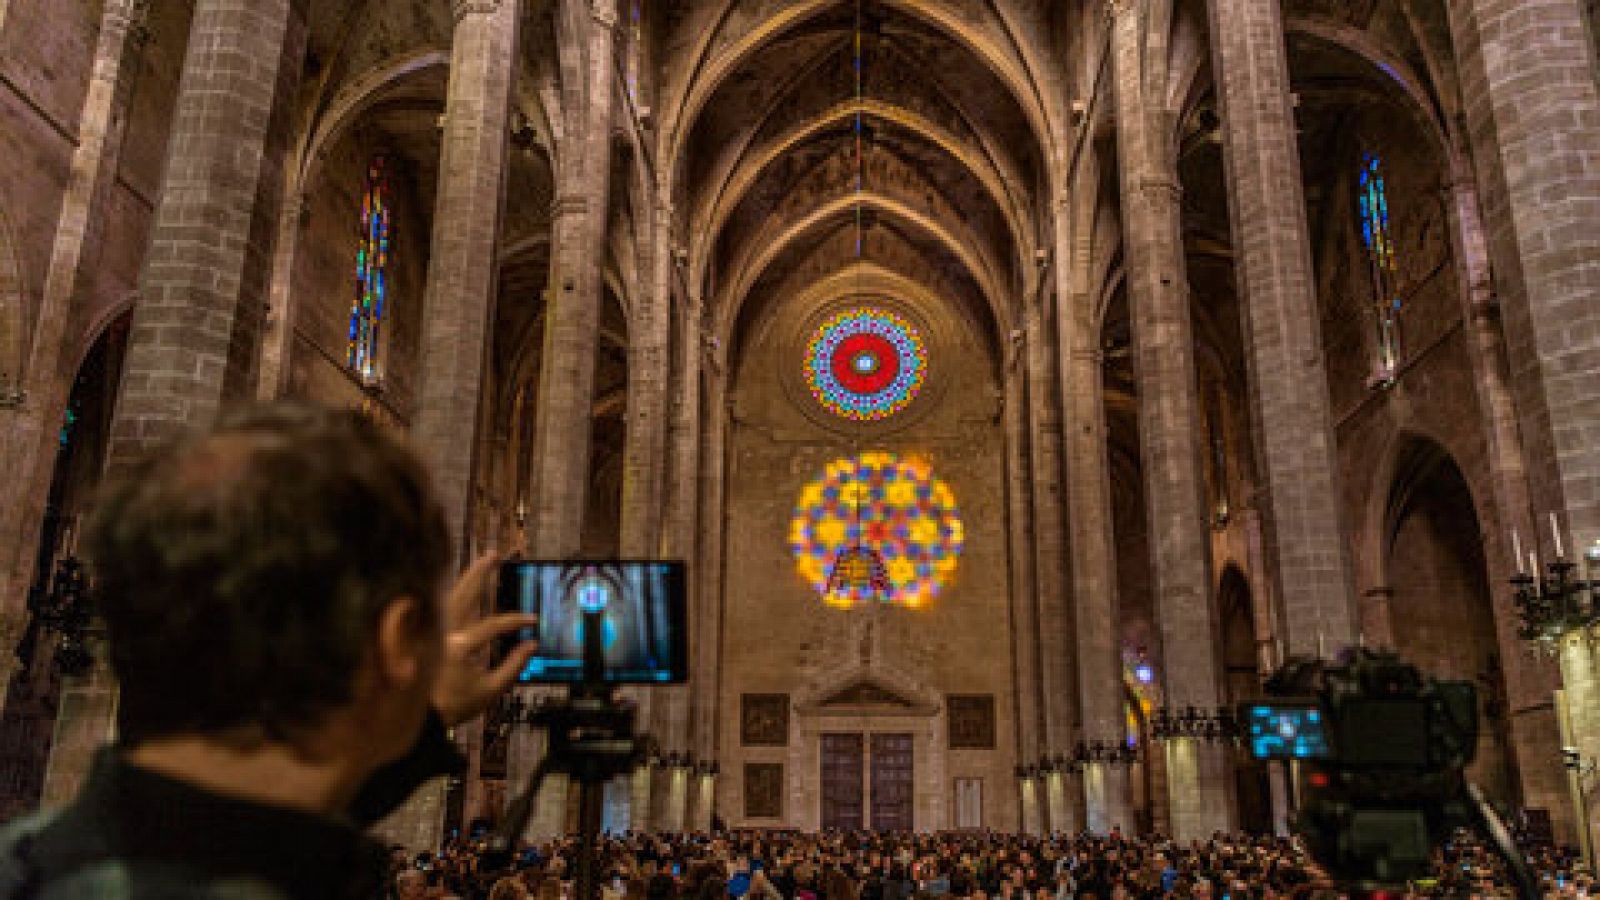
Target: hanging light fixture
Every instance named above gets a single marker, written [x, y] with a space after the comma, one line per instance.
[858, 572]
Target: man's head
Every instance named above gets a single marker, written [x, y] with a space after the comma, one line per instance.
[273, 571]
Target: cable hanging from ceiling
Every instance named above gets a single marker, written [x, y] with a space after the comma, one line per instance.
[858, 570]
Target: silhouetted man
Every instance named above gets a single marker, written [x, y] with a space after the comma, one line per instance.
[272, 598]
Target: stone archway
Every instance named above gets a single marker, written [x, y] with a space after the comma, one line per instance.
[37, 689]
[1439, 608]
[1242, 682]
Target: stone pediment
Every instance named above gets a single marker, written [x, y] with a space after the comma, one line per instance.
[864, 693]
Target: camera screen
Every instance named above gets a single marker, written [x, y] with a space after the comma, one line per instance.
[643, 618]
[1384, 732]
[1286, 732]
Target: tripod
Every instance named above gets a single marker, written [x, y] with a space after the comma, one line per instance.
[591, 740]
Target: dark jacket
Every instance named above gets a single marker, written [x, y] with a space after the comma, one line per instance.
[131, 833]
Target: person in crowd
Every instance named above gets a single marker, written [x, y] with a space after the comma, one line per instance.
[288, 665]
[794, 866]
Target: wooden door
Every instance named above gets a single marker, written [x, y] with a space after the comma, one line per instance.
[843, 761]
[893, 782]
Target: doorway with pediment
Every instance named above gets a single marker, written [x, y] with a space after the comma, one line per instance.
[867, 756]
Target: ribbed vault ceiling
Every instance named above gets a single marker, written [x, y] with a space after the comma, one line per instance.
[952, 184]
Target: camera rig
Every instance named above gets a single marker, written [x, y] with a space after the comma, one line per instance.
[591, 739]
[1388, 783]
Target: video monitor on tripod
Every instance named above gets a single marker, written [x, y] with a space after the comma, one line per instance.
[642, 609]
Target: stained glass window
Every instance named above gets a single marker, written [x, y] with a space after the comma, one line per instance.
[888, 504]
[866, 364]
[1373, 203]
[372, 275]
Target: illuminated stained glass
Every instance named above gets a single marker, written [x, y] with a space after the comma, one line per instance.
[1373, 204]
[891, 505]
[1138, 678]
[866, 364]
[372, 275]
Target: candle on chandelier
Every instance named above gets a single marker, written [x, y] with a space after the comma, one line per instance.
[1516, 552]
[1555, 534]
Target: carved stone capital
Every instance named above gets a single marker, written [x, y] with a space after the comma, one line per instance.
[464, 8]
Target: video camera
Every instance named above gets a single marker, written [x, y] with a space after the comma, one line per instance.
[1382, 753]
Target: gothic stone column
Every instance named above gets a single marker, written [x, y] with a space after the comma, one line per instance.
[1169, 426]
[1533, 111]
[572, 317]
[1529, 678]
[649, 388]
[1054, 624]
[706, 631]
[572, 326]
[193, 345]
[1533, 115]
[1309, 558]
[1024, 612]
[1107, 798]
[681, 540]
[645, 460]
[459, 299]
[28, 436]
[277, 344]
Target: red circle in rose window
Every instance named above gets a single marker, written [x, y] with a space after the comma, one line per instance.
[865, 363]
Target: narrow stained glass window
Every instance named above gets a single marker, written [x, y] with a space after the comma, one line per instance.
[372, 275]
[1373, 203]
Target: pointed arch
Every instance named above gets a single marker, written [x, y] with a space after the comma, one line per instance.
[714, 215]
[710, 69]
[727, 304]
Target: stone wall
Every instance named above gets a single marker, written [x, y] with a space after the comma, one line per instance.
[44, 70]
[778, 636]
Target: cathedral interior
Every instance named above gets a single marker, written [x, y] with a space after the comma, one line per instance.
[1022, 381]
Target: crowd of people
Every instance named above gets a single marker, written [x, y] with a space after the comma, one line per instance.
[842, 866]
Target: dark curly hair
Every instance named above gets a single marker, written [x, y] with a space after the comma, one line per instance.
[241, 572]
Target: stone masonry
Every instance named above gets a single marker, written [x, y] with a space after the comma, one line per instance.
[1309, 565]
[1169, 426]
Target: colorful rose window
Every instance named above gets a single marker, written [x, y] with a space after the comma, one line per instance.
[866, 364]
[888, 504]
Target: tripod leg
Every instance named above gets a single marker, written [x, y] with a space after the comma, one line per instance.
[591, 802]
[505, 842]
[1490, 826]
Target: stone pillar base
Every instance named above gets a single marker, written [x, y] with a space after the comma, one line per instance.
[85, 722]
[418, 823]
[1199, 785]
[1028, 803]
[1108, 802]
